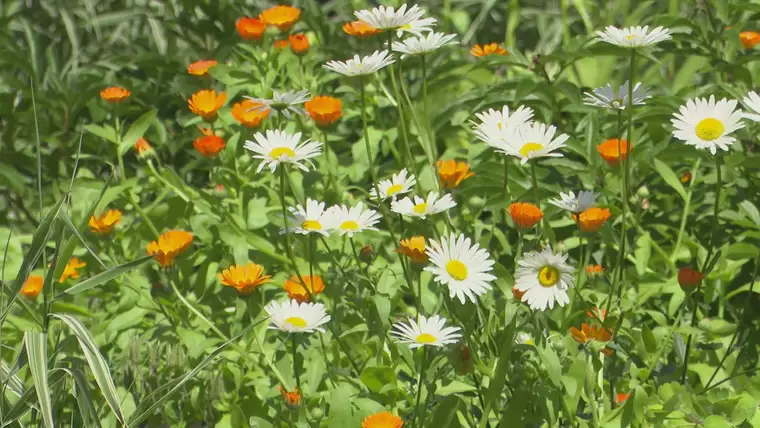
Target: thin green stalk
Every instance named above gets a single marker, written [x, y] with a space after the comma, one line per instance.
[686, 209]
[286, 235]
[626, 162]
[294, 345]
[418, 415]
[665, 342]
[426, 109]
[423, 136]
[371, 165]
[506, 177]
[399, 107]
[535, 181]
[590, 393]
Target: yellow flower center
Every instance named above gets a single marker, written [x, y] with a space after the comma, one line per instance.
[528, 148]
[630, 37]
[282, 151]
[425, 338]
[710, 129]
[296, 322]
[406, 27]
[548, 276]
[394, 189]
[457, 270]
[311, 225]
[529, 342]
[420, 208]
[349, 225]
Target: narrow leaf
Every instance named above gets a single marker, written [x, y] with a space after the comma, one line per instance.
[106, 276]
[36, 350]
[669, 177]
[136, 131]
[84, 397]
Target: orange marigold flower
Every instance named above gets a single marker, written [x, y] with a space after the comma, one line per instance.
[588, 333]
[33, 286]
[244, 113]
[142, 147]
[299, 44]
[525, 215]
[518, 294]
[292, 398]
[324, 110]
[297, 291]
[201, 68]
[169, 245]
[686, 177]
[414, 248]
[689, 279]
[592, 270]
[592, 219]
[621, 397]
[749, 39]
[70, 271]
[209, 145]
[600, 314]
[206, 103]
[488, 49]
[244, 279]
[250, 28]
[280, 44]
[607, 351]
[452, 173]
[611, 150]
[382, 420]
[115, 94]
[105, 222]
[282, 16]
[360, 29]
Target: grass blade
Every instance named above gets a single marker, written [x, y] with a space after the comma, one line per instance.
[97, 363]
[13, 381]
[36, 350]
[106, 276]
[500, 375]
[83, 396]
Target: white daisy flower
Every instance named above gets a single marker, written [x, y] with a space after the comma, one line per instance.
[534, 141]
[544, 277]
[401, 20]
[523, 338]
[423, 207]
[275, 147]
[460, 265]
[283, 102]
[498, 126]
[348, 221]
[430, 331]
[752, 101]
[706, 124]
[633, 37]
[312, 219]
[423, 44]
[399, 184]
[569, 202]
[294, 317]
[607, 97]
[361, 66]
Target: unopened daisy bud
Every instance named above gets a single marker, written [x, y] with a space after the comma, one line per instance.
[299, 44]
[291, 398]
[525, 215]
[689, 279]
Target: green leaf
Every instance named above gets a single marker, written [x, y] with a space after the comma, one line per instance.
[106, 276]
[500, 374]
[670, 177]
[650, 341]
[84, 397]
[36, 350]
[642, 253]
[104, 132]
[98, 364]
[136, 131]
[716, 421]
[7, 377]
[378, 378]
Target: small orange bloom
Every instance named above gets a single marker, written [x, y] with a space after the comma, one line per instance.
[280, 44]
[169, 245]
[607, 351]
[525, 215]
[209, 145]
[70, 271]
[689, 278]
[592, 219]
[518, 294]
[611, 150]
[292, 398]
[324, 110]
[33, 286]
[142, 147]
[621, 397]
[244, 279]
[588, 333]
[414, 248]
[592, 270]
[452, 173]
[297, 291]
[686, 177]
[250, 28]
[299, 44]
[360, 29]
[282, 16]
[488, 49]
[206, 103]
[115, 94]
[749, 39]
[200, 68]
[245, 113]
[382, 420]
[105, 222]
[600, 314]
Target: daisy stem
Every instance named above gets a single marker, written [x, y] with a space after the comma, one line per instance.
[686, 209]
[428, 152]
[535, 181]
[286, 235]
[426, 108]
[371, 165]
[399, 107]
[294, 344]
[417, 413]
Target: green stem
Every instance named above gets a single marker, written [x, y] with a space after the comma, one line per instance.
[426, 109]
[669, 335]
[417, 413]
[590, 391]
[286, 235]
[294, 344]
[371, 165]
[535, 181]
[399, 107]
[686, 209]
[506, 177]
